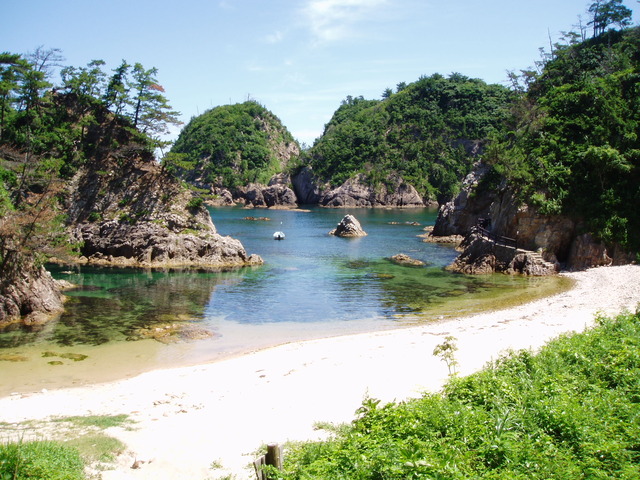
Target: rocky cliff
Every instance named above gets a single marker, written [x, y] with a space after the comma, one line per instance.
[356, 192]
[556, 238]
[126, 210]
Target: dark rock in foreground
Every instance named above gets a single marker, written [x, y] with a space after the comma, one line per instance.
[482, 255]
[32, 298]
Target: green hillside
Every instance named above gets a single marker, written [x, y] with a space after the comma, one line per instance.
[233, 145]
[429, 132]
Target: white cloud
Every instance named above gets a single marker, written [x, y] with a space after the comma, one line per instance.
[331, 20]
[275, 37]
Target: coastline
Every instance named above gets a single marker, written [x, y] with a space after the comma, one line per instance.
[188, 417]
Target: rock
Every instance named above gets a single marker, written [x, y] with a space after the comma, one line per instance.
[483, 256]
[349, 226]
[306, 187]
[31, 296]
[221, 197]
[585, 252]
[402, 259]
[429, 237]
[150, 245]
[278, 195]
[143, 217]
[459, 215]
[275, 195]
[356, 192]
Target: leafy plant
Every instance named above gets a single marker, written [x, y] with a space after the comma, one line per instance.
[446, 351]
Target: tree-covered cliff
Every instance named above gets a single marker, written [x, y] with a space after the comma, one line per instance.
[429, 132]
[233, 145]
[573, 145]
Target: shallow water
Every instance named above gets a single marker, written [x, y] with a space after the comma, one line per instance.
[312, 285]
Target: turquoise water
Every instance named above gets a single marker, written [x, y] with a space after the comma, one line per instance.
[311, 285]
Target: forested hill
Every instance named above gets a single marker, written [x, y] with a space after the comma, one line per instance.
[233, 145]
[429, 132]
[573, 145]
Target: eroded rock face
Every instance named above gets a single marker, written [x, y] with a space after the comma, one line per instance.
[276, 195]
[152, 245]
[349, 226]
[130, 212]
[306, 187]
[31, 296]
[355, 192]
[553, 237]
[457, 216]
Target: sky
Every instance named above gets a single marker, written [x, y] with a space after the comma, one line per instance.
[298, 58]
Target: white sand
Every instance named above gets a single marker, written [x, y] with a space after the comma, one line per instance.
[188, 418]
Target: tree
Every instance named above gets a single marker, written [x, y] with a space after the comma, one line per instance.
[151, 113]
[84, 81]
[606, 13]
[116, 94]
[8, 84]
[45, 61]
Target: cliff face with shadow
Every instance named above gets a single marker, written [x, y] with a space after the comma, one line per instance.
[557, 239]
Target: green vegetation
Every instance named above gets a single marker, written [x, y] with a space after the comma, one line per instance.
[98, 421]
[428, 132]
[569, 412]
[77, 442]
[40, 460]
[231, 145]
[573, 146]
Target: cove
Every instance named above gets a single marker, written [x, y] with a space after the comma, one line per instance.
[312, 285]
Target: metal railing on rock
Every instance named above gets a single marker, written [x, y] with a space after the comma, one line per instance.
[497, 239]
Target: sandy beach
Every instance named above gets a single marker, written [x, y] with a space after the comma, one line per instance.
[188, 418]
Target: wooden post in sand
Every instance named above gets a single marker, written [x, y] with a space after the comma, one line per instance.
[274, 455]
[272, 458]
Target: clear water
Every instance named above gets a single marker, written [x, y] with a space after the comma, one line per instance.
[312, 285]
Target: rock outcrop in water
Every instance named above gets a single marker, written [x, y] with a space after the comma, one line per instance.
[482, 255]
[349, 226]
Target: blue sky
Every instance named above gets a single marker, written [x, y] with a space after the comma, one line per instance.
[299, 58]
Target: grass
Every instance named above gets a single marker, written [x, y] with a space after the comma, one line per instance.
[98, 421]
[40, 460]
[572, 411]
[76, 443]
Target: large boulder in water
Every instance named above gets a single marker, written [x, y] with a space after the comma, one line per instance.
[349, 226]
